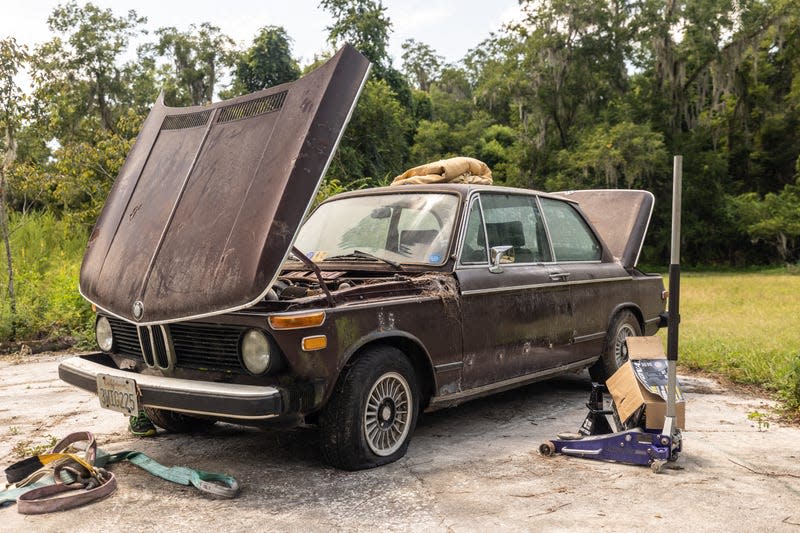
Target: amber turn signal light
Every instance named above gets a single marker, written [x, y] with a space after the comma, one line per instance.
[297, 320]
[317, 342]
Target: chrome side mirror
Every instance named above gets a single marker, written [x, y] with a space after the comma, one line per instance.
[497, 254]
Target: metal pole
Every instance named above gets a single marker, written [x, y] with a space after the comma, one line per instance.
[674, 296]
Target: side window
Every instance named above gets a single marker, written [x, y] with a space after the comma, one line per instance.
[514, 220]
[474, 249]
[572, 238]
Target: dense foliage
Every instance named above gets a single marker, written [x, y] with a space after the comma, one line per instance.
[575, 94]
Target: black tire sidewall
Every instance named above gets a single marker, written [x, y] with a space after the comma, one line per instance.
[622, 319]
[344, 439]
[607, 364]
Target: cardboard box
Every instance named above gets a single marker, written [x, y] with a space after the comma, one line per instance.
[642, 382]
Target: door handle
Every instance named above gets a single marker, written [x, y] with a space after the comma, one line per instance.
[560, 276]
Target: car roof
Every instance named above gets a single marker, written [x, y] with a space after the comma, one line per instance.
[462, 189]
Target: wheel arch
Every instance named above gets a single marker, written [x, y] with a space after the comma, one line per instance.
[410, 346]
[627, 306]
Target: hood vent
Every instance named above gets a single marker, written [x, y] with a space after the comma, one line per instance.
[189, 120]
[253, 108]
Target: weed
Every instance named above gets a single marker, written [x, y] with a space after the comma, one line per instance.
[26, 448]
[760, 419]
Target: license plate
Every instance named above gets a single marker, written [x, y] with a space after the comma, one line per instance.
[118, 394]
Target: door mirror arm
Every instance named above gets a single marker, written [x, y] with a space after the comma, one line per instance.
[497, 255]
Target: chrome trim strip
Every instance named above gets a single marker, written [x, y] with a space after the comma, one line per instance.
[646, 227]
[458, 397]
[546, 227]
[446, 367]
[387, 301]
[153, 349]
[169, 347]
[469, 266]
[590, 337]
[512, 288]
[141, 347]
[206, 413]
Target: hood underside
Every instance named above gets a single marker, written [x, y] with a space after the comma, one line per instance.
[620, 216]
[208, 202]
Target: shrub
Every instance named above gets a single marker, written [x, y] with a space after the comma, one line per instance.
[47, 253]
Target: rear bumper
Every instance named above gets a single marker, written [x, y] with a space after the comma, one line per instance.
[223, 400]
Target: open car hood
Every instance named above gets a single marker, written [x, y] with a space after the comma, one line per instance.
[620, 216]
[206, 207]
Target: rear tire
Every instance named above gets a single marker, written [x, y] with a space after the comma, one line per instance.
[373, 411]
[615, 351]
[178, 422]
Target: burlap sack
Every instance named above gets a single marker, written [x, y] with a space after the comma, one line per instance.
[453, 170]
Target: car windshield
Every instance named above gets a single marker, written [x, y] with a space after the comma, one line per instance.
[400, 227]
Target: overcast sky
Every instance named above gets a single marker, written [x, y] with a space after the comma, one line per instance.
[451, 27]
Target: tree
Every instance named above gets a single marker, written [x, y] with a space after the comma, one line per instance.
[774, 219]
[375, 144]
[77, 74]
[421, 63]
[196, 57]
[12, 57]
[266, 63]
[362, 23]
[624, 154]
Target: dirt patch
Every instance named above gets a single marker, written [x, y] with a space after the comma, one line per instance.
[472, 467]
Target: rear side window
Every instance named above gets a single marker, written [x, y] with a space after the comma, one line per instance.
[571, 237]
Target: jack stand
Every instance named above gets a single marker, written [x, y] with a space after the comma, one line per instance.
[595, 440]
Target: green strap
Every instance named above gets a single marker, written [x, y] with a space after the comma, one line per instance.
[219, 485]
[11, 495]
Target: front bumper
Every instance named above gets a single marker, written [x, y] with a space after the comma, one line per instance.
[222, 400]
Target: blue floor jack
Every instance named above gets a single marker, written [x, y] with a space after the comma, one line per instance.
[596, 438]
[599, 438]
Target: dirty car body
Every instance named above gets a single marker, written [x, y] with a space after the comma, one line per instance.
[215, 303]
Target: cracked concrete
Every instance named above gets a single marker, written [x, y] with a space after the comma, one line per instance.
[470, 468]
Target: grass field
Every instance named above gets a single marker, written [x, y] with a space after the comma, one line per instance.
[745, 326]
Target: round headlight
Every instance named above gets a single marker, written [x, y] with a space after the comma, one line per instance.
[255, 352]
[103, 334]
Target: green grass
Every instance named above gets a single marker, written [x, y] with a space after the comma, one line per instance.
[745, 326]
[47, 253]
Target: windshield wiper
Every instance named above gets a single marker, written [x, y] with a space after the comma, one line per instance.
[303, 258]
[364, 255]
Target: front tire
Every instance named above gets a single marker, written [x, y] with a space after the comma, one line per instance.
[371, 416]
[615, 351]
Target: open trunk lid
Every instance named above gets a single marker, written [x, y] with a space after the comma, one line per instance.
[208, 202]
[620, 216]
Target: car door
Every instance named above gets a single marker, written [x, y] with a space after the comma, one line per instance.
[516, 319]
[596, 286]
